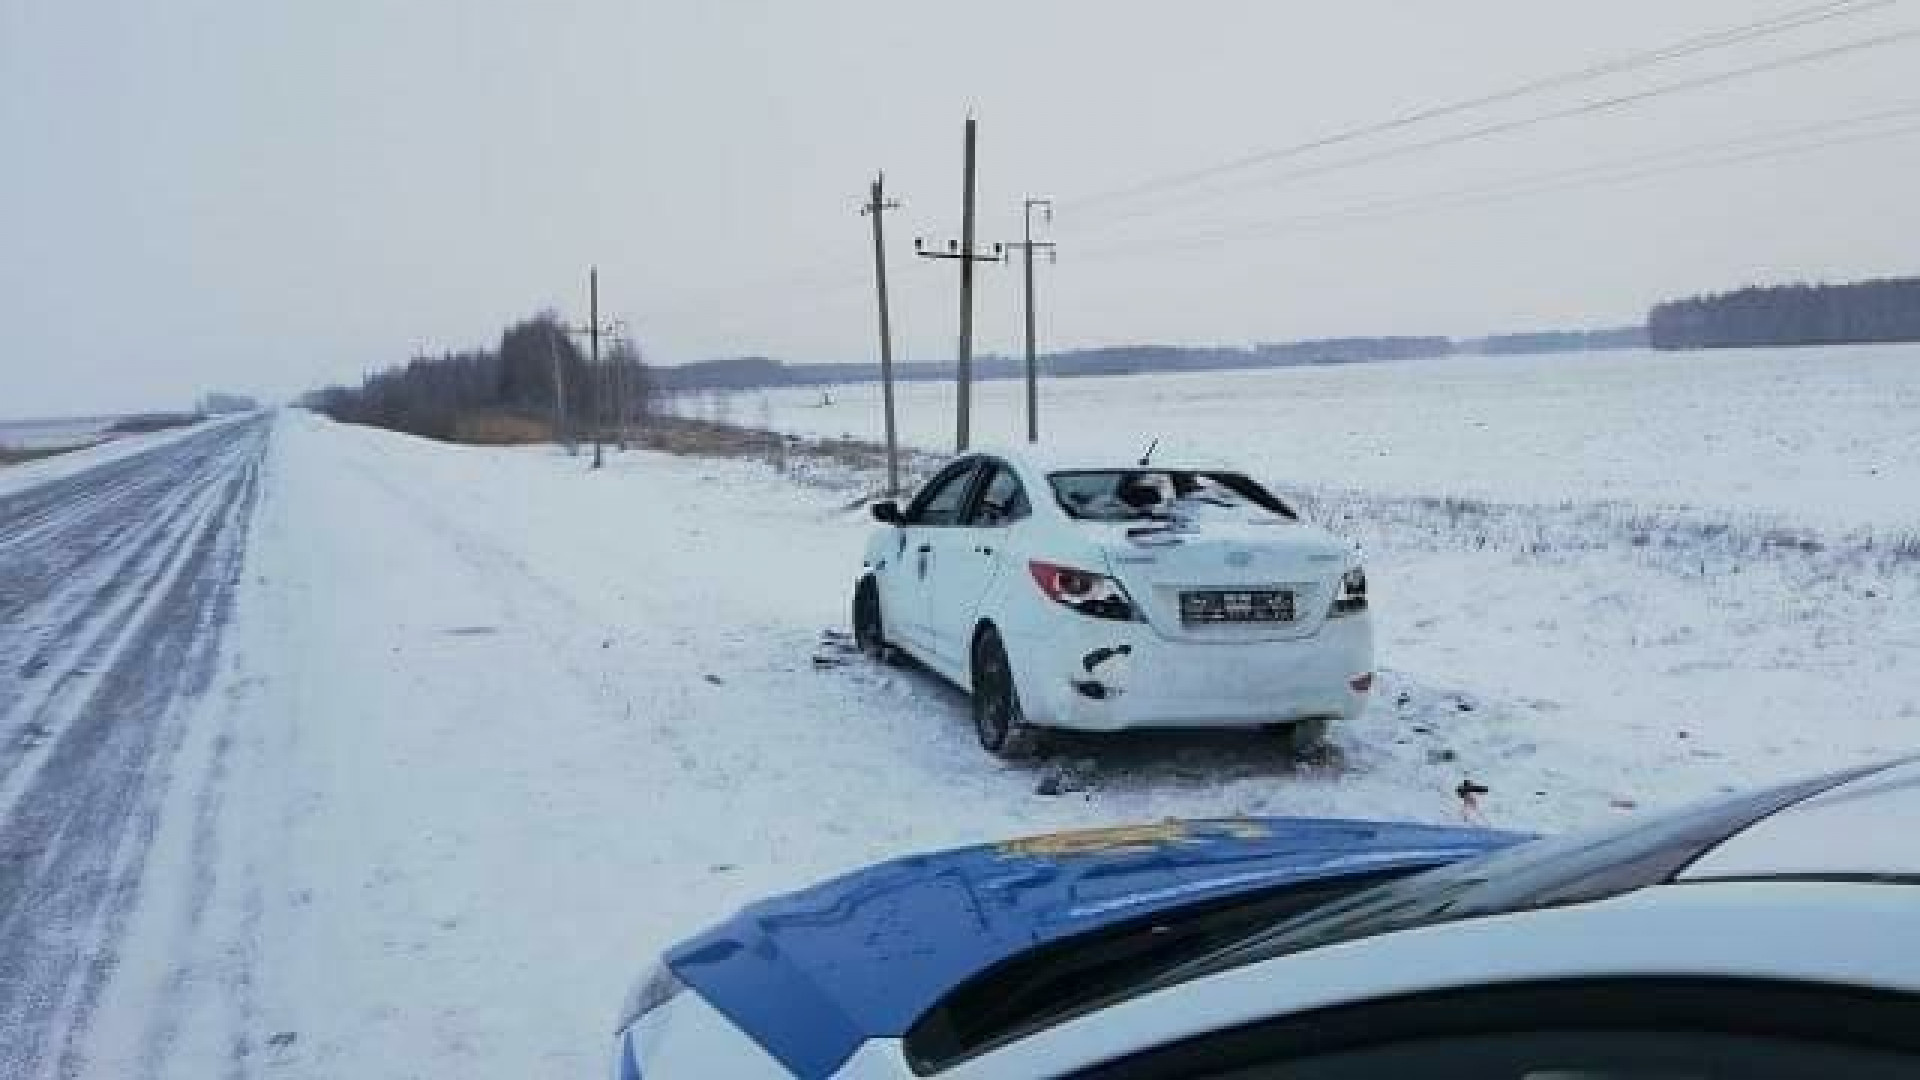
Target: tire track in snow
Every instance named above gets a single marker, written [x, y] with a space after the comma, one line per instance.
[74, 841]
[108, 529]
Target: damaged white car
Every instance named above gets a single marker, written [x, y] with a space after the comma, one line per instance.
[1097, 596]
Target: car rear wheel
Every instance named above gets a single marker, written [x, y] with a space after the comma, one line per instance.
[869, 634]
[997, 717]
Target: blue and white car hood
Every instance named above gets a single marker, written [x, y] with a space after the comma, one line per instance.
[812, 975]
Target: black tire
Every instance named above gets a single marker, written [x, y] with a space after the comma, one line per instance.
[997, 717]
[1307, 737]
[869, 634]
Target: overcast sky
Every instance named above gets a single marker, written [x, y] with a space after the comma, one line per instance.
[207, 194]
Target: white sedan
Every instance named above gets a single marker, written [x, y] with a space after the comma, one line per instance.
[1772, 935]
[1102, 596]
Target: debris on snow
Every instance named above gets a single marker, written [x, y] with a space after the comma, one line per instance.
[1064, 777]
[1469, 793]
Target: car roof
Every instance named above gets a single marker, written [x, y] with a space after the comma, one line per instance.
[1867, 827]
[1040, 460]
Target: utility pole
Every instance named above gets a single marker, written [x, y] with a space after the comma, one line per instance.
[876, 207]
[619, 379]
[596, 388]
[593, 330]
[559, 389]
[964, 251]
[622, 348]
[1027, 247]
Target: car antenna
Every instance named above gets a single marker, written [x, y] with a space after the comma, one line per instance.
[1147, 458]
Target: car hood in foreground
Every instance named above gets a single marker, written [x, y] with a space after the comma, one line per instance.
[812, 975]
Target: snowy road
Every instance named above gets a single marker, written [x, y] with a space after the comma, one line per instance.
[114, 583]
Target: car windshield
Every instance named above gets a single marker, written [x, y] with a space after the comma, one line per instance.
[1159, 494]
[1545, 873]
[1055, 983]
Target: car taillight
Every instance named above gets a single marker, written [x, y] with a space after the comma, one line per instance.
[1353, 593]
[1095, 595]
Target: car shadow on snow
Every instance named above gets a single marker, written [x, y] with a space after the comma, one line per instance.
[1080, 762]
[1177, 760]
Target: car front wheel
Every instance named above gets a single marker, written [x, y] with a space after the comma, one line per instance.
[997, 716]
[869, 634]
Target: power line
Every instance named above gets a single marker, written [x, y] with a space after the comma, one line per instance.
[1561, 180]
[1587, 108]
[1422, 200]
[1779, 24]
[822, 285]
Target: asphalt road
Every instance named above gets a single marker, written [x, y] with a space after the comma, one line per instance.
[114, 586]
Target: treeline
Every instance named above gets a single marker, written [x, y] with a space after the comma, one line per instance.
[1887, 309]
[537, 386]
[737, 373]
[220, 404]
[1557, 341]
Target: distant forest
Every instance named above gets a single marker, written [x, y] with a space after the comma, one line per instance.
[524, 391]
[1863, 311]
[757, 371]
[537, 386]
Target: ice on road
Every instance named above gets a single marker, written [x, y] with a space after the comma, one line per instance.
[114, 582]
[487, 729]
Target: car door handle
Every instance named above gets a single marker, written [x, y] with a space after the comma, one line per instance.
[983, 549]
[924, 548]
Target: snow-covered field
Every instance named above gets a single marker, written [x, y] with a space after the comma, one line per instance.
[63, 432]
[495, 728]
[109, 448]
[1819, 437]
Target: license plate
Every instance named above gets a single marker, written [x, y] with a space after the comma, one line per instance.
[1237, 606]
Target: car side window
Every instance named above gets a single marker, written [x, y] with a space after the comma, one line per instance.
[1626, 1029]
[1002, 502]
[940, 502]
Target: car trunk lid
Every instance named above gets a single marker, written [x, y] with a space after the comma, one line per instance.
[1227, 577]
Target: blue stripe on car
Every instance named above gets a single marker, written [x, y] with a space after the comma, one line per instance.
[812, 975]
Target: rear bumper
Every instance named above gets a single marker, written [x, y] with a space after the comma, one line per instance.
[1148, 681]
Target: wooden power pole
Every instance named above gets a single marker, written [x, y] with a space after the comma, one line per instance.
[876, 208]
[1027, 247]
[965, 374]
[561, 429]
[594, 394]
[599, 377]
[965, 253]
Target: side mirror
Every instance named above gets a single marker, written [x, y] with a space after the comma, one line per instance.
[888, 511]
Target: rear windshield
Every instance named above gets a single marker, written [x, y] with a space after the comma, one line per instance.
[1159, 494]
